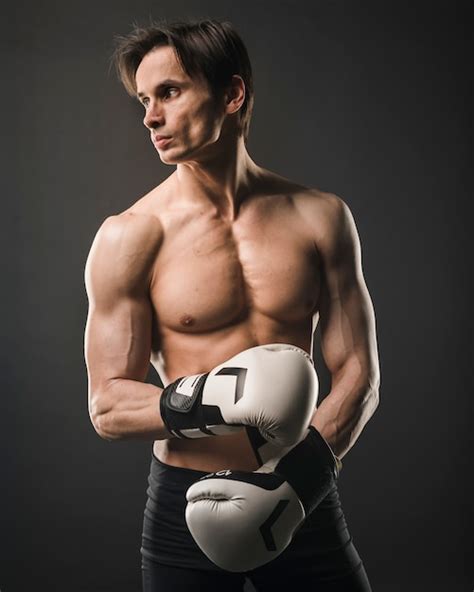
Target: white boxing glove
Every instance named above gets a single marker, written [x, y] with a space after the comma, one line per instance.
[242, 520]
[272, 387]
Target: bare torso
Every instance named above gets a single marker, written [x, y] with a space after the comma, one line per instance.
[220, 286]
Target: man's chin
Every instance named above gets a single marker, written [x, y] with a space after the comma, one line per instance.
[167, 160]
[167, 157]
[175, 157]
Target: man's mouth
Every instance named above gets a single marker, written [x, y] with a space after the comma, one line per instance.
[161, 141]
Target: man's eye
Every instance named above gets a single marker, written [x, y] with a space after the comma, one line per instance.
[170, 91]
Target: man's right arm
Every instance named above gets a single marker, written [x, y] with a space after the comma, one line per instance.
[119, 328]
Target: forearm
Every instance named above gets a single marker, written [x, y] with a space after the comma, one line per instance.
[342, 415]
[128, 409]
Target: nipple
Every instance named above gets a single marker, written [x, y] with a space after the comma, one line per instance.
[187, 320]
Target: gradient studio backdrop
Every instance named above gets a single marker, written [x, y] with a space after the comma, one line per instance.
[367, 100]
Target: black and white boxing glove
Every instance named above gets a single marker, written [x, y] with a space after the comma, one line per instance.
[242, 520]
[272, 387]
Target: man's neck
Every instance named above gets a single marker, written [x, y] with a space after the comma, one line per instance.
[223, 180]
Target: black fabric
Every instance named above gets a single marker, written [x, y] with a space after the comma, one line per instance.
[157, 577]
[310, 468]
[322, 550]
[168, 578]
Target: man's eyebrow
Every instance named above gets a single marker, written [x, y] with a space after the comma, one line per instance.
[161, 85]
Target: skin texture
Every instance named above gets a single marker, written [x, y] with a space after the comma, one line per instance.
[221, 256]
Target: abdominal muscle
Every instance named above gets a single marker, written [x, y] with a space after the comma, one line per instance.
[209, 454]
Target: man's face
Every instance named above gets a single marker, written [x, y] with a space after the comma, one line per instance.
[176, 106]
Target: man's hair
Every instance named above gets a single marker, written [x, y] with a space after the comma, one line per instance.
[206, 49]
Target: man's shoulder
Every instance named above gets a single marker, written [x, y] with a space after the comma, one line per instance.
[122, 253]
[324, 211]
[130, 230]
[128, 239]
[139, 225]
[329, 220]
[311, 198]
[302, 195]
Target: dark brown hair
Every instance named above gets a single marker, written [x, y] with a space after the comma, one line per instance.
[206, 49]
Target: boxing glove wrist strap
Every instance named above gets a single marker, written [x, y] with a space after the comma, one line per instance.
[310, 467]
[182, 410]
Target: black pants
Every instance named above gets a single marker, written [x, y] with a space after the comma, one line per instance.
[322, 556]
[163, 578]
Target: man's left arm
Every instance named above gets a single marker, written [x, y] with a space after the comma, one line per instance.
[348, 332]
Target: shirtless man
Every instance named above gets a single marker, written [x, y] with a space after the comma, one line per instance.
[222, 256]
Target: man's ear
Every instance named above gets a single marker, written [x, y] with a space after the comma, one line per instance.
[235, 94]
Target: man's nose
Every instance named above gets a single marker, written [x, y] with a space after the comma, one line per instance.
[154, 116]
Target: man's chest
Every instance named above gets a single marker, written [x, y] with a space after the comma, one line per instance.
[210, 274]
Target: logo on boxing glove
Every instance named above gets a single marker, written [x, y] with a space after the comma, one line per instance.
[223, 473]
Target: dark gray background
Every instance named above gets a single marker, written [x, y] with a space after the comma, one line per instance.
[367, 100]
